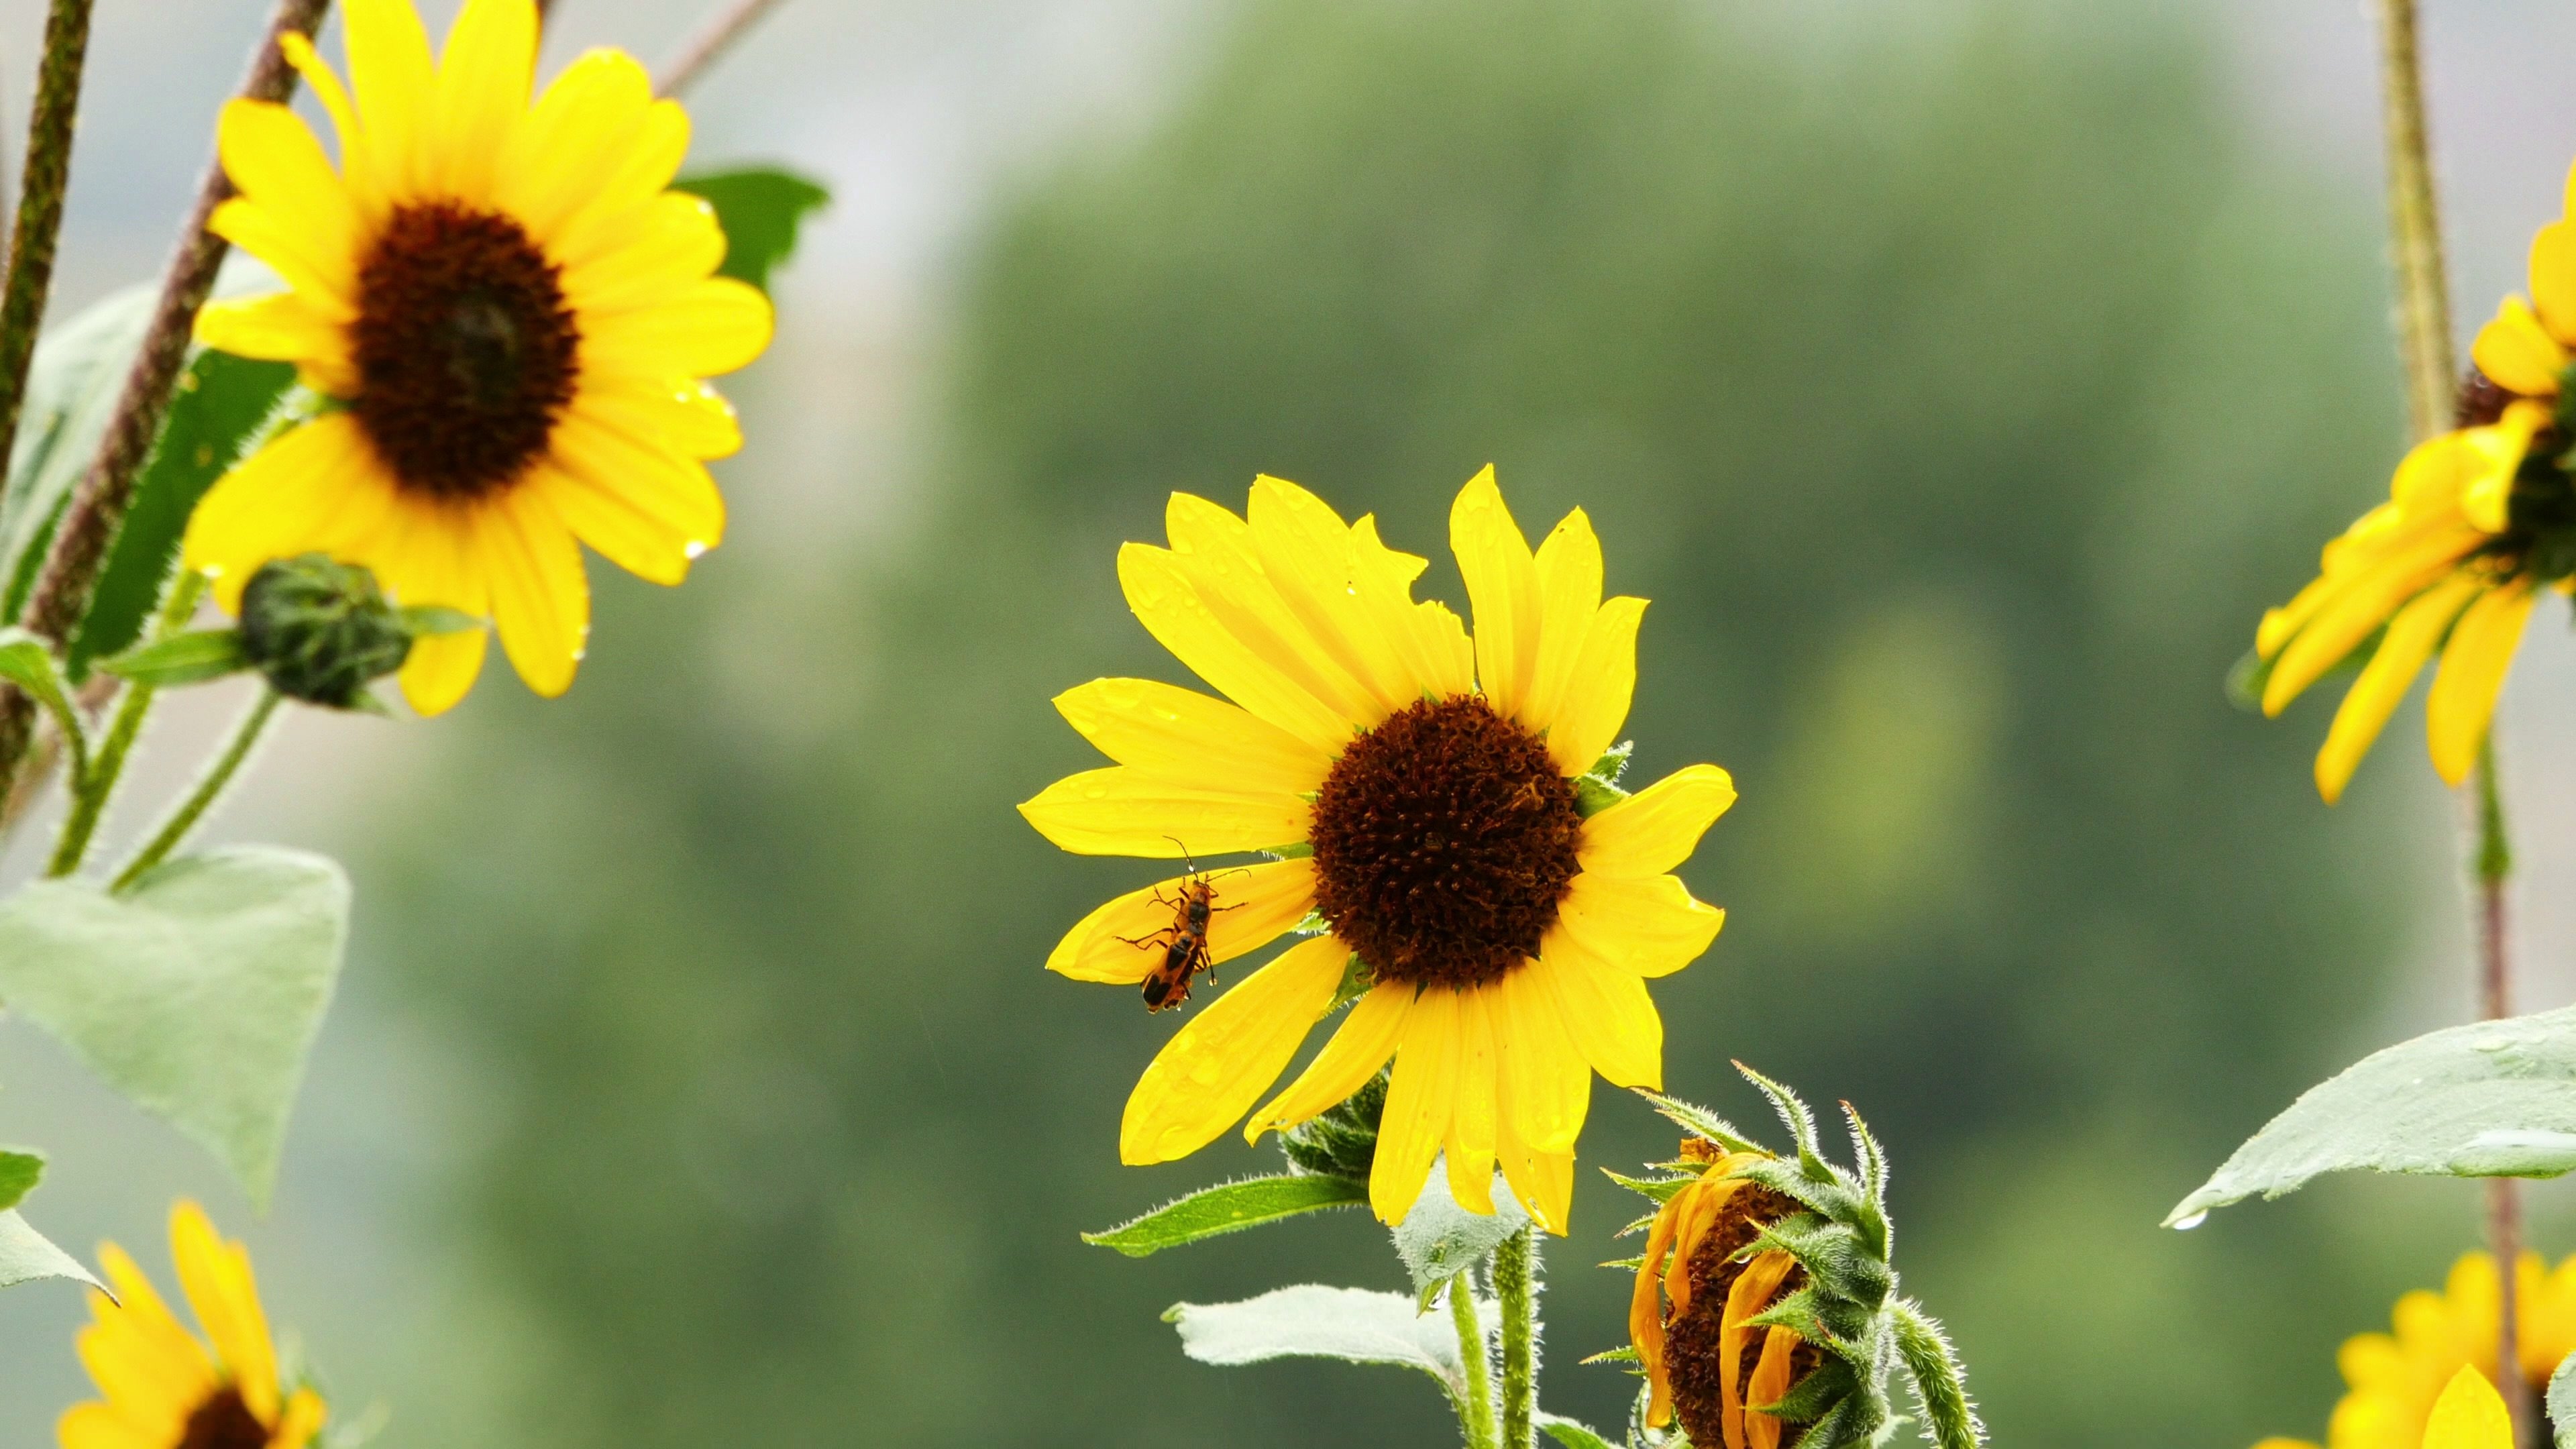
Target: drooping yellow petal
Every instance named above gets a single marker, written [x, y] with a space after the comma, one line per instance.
[2344, 623]
[554, 160]
[441, 669]
[1656, 829]
[391, 72]
[1502, 586]
[1597, 698]
[1608, 1016]
[1751, 1294]
[2486, 495]
[1366, 1039]
[1419, 1098]
[2470, 1414]
[1187, 736]
[2518, 353]
[1225, 1057]
[702, 329]
[2465, 688]
[1123, 811]
[1469, 1145]
[2384, 681]
[1172, 611]
[627, 472]
[611, 524]
[1569, 589]
[1650, 925]
[1123, 940]
[220, 1287]
[485, 74]
[424, 554]
[2553, 279]
[1543, 1181]
[1771, 1375]
[275, 160]
[540, 597]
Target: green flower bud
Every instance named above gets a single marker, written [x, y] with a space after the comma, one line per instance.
[1343, 1141]
[320, 630]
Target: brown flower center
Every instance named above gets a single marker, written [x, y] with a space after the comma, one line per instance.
[223, 1421]
[465, 350]
[1693, 1364]
[1444, 840]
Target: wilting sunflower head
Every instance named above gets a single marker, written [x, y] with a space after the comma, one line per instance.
[2479, 520]
[1442, 822]
[1765, 1309]
[163, 1387]
[2393, 1380]
[511, 317]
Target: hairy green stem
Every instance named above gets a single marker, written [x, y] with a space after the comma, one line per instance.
[1939, 1387]
[2415, 226]
[1476, 1409]
[92, 786]
[1516, 1284]
[210, 787]
[43, 179]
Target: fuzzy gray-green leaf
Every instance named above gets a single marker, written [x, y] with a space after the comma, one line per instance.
[2562, 1401]
[1230, 1208]
[1572, 1433]
[2489, 1099]
[72, 387]
[26, 1255]
[1439, 1238]
[1313, 1321]
[190, 658]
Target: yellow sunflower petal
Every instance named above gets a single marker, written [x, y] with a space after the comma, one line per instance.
[705, 328]
[366, 194]
[144, 1384]
[393, 76]
[1608, 1016]
[1657, 828]
[1546, 1085]
[2470, 1414]
[304, 1417]
[2276, 1442]
[1569, 589]
[282, 327]
[1228, 1055]
[1469, 1145]
[2384, 681]
[1428, 638]
[682, 413]
[217, 1277]
[1605, 681]
[1771, 1375]
[485, 73]
[2553, 278]
[1650, 925]
[274, 159]
[1216, 552]
[328, 279]
[1172, 611]
[2463, 698]
[2518, 353]
[540, 597]
[1543, 1181]
[1306, 552]
[676, 240]
[632, 472]
[138, 1311]
[1502, 586]
[575, 135]
[274, 502]
[2498, 449]
[610, 523]
[97, 1426]
[1419, 1099]
[2344, 623]
[1186, 736]
[1251, 905]
[1122, 811]
[1363, 1043]
[441, 669]
[635, 171]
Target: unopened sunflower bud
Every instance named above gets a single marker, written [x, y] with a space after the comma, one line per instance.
[1341, 1142]
[1766, 1310]
[320, 630]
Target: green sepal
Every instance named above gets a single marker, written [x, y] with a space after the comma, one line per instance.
[1833, 1255]
[1635, 1264]
[1597, 789]
[190, 658]
[1660, 1189]
[20, 1171]
[1810, 1399]
[425, 619]
[1356, 980]
[1701, 1122]
[1341, 1141]
[1229, 1207]
[1623, 1355]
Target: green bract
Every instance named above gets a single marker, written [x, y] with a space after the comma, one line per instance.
[320, 630]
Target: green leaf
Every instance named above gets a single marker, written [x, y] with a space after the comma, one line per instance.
[72, 386]
[190, 658]
[2562, 1401]
[1572, 1433]
[20, 1171]
[26, 1256]
[196, 992]
[761, 209]
[1313, 1321]
[1597, 789]
[27, 663]
[221, 403]
[1229, 1208]
[1440, 1239]
[2490, 1099]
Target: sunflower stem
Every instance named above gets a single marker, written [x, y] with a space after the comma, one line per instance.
[92, 787]
[1950, 1420]
[2415, 227]
[1516, 1284]
[210, 787]
[1476, 1408]
[712, 39]
[2490, 873]
[45, 176]
[98, 504]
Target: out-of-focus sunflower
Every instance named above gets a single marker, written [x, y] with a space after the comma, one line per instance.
[2392, 1380]
[164, 1389]
[511, 317]
[2478, 521]
[1426, 796]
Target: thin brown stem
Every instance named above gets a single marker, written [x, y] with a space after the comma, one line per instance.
[98, 505]
[711, 40]
[2490, 873]
[46, 176]
[2415, 227]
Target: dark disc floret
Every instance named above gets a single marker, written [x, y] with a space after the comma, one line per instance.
[1444, 841]
[223, 1421]
[1693, 1361]
[465, 351]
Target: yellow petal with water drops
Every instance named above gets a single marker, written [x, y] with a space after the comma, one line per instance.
[573, 136]
[1124, 811]
[2474, 663]
[1419, 1098]
[2470, 1414]
[1187, 736]
[1216, 552]
[620, 532]
[1569, 589]
[1226, 1056]
[1364, 1042]
[1429, 639]
[1306, 549]
[2553, 279]
[220, 1287]
[1656, 829]
[540, 597]
[1502, 586]
[97, 1426]
[680, 413]
[1608, 1016]
[264, 507]
[1469, 1146]
[394, 79]
[1650, 925]
[1124, 939]
[2349, 618]
[2486, 492]
[1172, 611]
[275, 160]
[1604, 683]
[2518, 353]
[2384, 681]
[485, 74]
[700, 330]
[282, 327]
[1545, 1085]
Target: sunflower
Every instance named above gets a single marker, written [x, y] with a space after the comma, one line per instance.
[2469, 1415]
[2392, 1380]
[1701, 1358]
[509, 318]
[1419, 792]
[162, 1388]
[2479, 519]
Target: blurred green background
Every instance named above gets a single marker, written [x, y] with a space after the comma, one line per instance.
[1959, 383]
